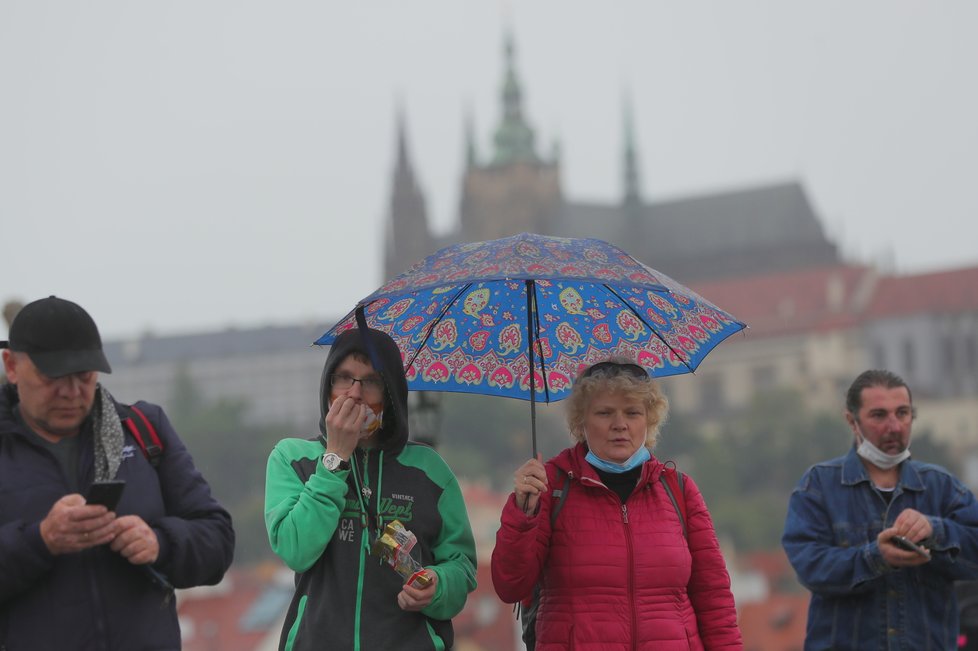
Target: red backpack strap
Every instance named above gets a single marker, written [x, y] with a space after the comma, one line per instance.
[142, 430]
[672, 481]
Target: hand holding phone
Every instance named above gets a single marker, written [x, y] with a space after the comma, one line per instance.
[106, 493]
[905, 543]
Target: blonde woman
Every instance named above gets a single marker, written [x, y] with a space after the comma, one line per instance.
[616, 569]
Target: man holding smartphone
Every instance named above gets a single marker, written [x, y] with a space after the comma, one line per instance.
[879, 538]
[79, 575]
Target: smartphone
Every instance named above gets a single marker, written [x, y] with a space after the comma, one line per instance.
[905, 543]
[106, 493]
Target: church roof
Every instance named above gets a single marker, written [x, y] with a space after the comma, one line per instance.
[731, 233]
[745, 218]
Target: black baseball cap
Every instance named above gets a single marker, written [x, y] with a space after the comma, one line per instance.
[59, 336]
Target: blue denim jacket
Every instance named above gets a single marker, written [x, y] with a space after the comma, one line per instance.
[858, 601]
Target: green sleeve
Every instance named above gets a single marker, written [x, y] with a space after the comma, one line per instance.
[301, 518]
[454, 554]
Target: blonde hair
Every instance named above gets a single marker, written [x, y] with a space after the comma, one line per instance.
[647, 391]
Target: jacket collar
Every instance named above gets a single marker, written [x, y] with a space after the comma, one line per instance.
[854, 472]
[572, 461]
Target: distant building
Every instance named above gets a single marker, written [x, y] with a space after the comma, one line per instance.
[274, 370]
[816, 329]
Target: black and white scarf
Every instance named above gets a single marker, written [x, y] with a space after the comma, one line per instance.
[107, 432]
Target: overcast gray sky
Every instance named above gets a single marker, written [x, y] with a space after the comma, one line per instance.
[185, 165]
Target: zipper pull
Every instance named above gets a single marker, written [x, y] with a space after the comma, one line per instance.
[624, 514]
[366, 488]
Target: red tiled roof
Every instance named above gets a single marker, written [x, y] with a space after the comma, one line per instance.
[942, 291]
[777, 624]
[773, 564]
[210, 617]
[486, 623]
[819, 299]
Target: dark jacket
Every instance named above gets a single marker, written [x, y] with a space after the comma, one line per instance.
[95, 599]
[319, 525]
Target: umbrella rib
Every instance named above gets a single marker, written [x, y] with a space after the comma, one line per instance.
[434, 322]
[530, 297]
[638, 316]
[543, 365]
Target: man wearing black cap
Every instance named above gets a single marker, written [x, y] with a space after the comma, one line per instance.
[75, 575]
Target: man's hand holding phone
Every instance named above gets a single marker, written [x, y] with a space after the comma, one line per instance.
[73, 525]
[106, 493]
[900, 551]
[910, 546]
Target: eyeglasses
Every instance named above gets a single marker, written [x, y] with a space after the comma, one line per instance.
[374, 385]
[611, 369]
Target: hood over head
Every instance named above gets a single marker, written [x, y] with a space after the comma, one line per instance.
[381, 350]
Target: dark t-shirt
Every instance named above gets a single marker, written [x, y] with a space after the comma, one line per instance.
[65, 451]
[622, 483]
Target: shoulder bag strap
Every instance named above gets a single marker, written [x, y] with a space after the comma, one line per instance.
[672, 481]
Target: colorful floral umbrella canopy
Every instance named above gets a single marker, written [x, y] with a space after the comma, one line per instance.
[476, 317]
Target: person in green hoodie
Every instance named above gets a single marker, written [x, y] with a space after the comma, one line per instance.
[329, 498]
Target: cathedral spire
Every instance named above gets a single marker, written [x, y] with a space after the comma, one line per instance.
[403, 170]
[514, 137]
[471, 149]
[407, 238]
[630, 172]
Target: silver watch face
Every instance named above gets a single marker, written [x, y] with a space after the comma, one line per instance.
[332, 461]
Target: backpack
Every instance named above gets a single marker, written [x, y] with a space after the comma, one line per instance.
[672, 482]
[135, 421]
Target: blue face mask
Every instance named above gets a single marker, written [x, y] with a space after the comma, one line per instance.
[641, 456]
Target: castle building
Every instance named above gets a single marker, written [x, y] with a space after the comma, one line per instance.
[516, 189]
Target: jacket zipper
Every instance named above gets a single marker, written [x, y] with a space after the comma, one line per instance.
[364, 489]
[631, 560]
[631, 573]
[356, 623]
[86, 557]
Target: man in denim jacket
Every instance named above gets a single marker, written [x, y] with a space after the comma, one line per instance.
[846, 519]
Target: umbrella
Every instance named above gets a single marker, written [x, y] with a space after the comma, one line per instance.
[521, 316]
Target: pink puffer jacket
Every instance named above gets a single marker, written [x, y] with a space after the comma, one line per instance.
[617, 577]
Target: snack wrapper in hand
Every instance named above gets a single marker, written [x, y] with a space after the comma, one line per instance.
[372, 422]
[394, 546]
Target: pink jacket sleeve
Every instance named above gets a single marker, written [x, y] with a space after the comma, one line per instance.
[709, 583]
[522, 545]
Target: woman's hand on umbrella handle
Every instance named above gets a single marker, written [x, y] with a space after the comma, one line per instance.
[529, 482]
[344, 420]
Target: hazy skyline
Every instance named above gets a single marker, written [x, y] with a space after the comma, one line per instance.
[188, 166]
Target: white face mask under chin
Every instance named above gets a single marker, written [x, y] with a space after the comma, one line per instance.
[877, 457]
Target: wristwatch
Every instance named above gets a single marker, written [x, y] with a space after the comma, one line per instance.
[334, 462]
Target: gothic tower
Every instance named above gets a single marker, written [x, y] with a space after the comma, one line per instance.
[632, 205]
[406, 238]
[516, 190]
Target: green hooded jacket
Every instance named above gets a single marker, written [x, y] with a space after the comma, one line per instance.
[323, 523]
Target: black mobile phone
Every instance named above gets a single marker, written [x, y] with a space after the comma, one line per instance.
[907, 544]
[106, 493]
